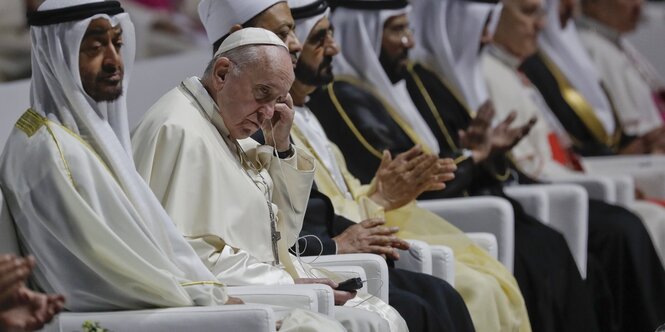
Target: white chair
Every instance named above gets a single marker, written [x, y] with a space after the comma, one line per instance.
[481, 214]
[564, 207]
[647, 171]
[255, 317]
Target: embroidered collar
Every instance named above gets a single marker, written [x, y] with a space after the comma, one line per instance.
[205, 102]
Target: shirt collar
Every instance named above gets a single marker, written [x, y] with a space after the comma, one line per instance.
[503, 56]
[588, 23]
[196, 89]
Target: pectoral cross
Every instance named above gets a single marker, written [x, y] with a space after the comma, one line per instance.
[275, 235]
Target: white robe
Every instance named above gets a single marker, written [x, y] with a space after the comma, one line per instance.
[533, 155]
[628, 90]
[91, 243]
[183, 150]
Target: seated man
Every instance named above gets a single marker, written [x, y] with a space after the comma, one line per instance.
[426, 303]
[194, 149]
[476, 273]
[632, 84]
[613, 231]
[20, 308]
[97, 232]
[375, 46]
[69, 179]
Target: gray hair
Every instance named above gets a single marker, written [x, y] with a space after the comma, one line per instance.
[242, 57]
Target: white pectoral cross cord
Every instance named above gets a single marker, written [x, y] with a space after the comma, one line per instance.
[275, 235]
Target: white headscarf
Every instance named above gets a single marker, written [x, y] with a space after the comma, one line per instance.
[57, 93]
[359, 33]
[448, 40]
[218, 16]
[304, 25]
[565, 49]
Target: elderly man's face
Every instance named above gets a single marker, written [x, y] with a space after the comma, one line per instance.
[396, 42]
[100, 62]
[519, 25]
[315, 62]
[247, 97]
[278, 19]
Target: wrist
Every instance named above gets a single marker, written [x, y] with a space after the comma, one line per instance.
[287, 153]
[377, 198]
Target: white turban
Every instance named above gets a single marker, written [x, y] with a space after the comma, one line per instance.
[218, 16]
[359, 34]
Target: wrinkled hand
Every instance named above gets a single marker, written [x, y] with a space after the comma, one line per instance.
[13, 273]
[234, 300]
[277, 129]
[504, 138]
[401, 180]
[476, 137]
[370, 236]
[28, 310]
[340, 296]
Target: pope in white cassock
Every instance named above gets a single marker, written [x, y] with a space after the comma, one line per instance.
[99, 235]
[238, 203]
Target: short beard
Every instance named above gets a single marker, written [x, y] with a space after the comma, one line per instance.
[322, 75]
[108, 97]
[395, 71]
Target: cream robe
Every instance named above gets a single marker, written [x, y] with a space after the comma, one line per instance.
[628, 90]
[92, 244]
[533, 155]
[490, 292]
[183, 151]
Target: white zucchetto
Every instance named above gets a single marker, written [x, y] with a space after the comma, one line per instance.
[250, 36]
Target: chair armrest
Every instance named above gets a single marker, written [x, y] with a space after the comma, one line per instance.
[443, 263]
[418, 258]
[348, 272]
[486, 241]
[567, 207]
[480, 214]
[227, 318]
[375, 268]
[597, 187]
[314, 297]
[648, 171]
[533, 199]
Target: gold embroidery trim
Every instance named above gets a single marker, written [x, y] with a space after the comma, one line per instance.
[199, 283]
[431, 106]
[579, 105]
[391, 111]
[30, 122]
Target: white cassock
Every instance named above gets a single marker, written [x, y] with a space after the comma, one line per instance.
[626, 86]
[510, 91]
[220, 193]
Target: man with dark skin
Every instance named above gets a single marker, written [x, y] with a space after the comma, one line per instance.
[440, 307]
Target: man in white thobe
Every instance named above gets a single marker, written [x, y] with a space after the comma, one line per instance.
[238, 203]
[633, 86]
[97, 232]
